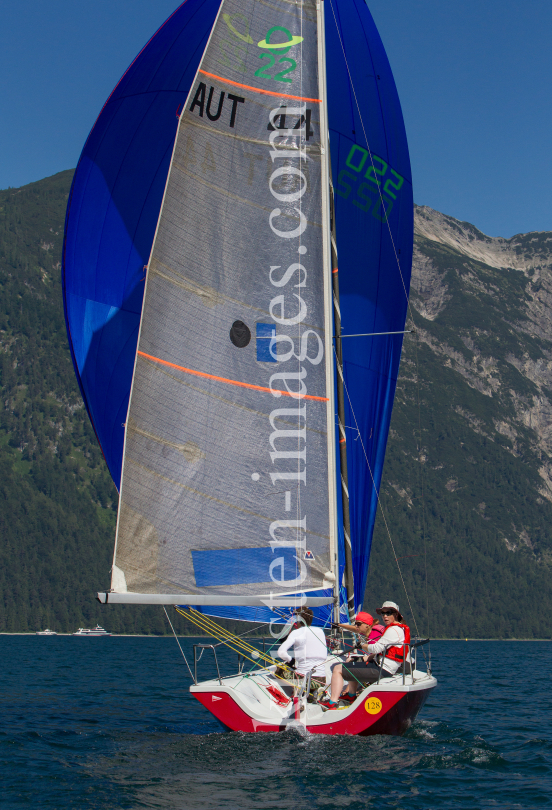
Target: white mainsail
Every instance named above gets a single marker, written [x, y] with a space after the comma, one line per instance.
[228, 484]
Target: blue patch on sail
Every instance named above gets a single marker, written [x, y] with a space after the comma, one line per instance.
[264, 332]
[241, 566]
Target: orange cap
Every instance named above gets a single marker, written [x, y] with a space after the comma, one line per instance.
[364, 617]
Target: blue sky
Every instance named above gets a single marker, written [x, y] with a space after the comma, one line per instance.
[474, 77]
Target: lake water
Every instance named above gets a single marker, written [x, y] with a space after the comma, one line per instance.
[109, 723]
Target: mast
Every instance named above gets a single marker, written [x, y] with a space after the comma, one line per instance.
[349, 577]
[327, 204]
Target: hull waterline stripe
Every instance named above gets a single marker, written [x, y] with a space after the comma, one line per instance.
[230, 382]
[257, 89]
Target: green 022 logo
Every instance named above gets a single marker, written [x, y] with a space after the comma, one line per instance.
[272, 49]
[364, 179]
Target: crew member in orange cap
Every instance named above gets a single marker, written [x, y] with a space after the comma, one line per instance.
[365, 625]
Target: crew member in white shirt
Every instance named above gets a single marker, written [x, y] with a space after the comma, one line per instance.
[394, 634]
[309, 646]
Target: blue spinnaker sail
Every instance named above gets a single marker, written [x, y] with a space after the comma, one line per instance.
[114, 207]
[375, 239]
[112, 214]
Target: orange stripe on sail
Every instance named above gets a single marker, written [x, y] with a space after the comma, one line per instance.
[257, 89]
[229, 382]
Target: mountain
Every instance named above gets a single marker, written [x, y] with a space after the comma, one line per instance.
[58, 504]
[467, 489]
[467, 484]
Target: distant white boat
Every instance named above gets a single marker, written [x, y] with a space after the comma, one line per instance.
[46, 632]
[96, 631]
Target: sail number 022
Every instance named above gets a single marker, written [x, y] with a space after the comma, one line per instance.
[376, 176]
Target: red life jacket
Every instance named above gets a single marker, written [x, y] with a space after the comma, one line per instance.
[397, 653]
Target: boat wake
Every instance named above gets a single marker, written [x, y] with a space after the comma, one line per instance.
[230, 770]
[296, 727]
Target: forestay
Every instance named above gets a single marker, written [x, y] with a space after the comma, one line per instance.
[226, 486]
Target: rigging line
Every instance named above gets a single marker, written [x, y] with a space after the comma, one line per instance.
[241, 635]
[421, 474]
[230, 638]
[374, 334]
[349, 427]
[211, 627]
[247, 632]
[178, 642]
[380, 506]
[224, 641]
[201, 619]
[370, 153]
[207, 622]
[276, 641]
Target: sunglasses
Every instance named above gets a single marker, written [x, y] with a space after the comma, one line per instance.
[359, 624]
[387, 612]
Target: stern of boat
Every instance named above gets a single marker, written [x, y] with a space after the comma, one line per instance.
[261, 702]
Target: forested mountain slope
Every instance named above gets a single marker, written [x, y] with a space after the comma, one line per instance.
[467, 488]
[57, 502]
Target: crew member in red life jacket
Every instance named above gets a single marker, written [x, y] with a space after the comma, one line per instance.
[395, 634]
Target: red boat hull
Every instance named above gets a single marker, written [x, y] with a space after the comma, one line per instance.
[381, 713]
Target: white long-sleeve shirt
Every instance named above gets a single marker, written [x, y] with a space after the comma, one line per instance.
[391, 636]
[310, 650]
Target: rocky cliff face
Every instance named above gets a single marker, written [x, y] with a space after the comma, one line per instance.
[524, 313]
[468, 476]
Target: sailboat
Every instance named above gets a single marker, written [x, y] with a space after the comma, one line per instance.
[236, 270]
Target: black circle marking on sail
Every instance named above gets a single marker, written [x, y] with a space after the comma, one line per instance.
[240, 334]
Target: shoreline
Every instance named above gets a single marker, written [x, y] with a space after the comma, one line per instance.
[252, 638]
